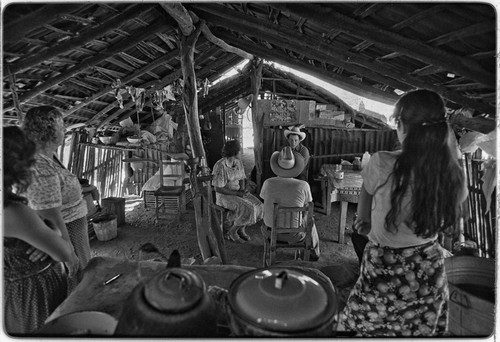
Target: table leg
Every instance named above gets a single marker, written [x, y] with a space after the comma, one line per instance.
[342, 220]
[328, 200]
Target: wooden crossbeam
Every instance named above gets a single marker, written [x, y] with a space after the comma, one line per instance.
[476, 29]
[17, 29]
[306, 45]
[392, 41]
[347, 83]
[402, 24]
[325, 52]
[329, 76]
[472, 30]
[122, 45]
[159, 61]
[187, 26]
[366, 10]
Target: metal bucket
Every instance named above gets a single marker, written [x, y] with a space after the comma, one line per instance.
[471, 281]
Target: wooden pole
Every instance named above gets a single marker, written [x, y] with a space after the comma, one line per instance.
[190, 103]
[189, 94]
[257, 122]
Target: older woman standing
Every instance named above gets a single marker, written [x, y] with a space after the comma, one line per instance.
[229, 183]
[55, 193]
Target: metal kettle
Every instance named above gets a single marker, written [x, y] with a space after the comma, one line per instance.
[173, 303]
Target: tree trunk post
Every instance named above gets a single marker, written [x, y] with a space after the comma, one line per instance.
[190, 102]
[257, 122]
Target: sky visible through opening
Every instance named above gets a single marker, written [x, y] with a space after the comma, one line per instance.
[351, 99]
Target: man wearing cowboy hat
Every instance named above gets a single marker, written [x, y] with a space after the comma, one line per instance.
[287, 191]
[295, 137]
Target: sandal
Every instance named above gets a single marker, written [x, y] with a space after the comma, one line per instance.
[227, 236]
[244, 235]
[236, 238]
[233, 235]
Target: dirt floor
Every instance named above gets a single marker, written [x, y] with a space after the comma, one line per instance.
[140, 228]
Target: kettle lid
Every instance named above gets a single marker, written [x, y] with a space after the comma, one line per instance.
[174, 291]
[284, 300]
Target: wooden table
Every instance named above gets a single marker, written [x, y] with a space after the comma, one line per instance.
[344, 191]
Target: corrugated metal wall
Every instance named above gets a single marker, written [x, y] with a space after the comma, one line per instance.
[328, 145]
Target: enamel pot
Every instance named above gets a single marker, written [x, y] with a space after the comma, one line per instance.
[282, 302]
[173, 303]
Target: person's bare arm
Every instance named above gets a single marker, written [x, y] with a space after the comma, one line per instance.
[23, 223]
[54, 216]
[363, 220]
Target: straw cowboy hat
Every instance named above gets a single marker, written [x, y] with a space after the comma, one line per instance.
[287, 163]
[295, 130]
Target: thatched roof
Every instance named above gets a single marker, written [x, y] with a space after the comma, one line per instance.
[71, 55]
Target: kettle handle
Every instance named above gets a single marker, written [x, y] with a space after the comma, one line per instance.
[174, 260]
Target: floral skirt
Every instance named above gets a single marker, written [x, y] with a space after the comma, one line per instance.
[400, 292]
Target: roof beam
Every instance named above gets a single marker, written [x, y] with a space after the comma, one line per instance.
[392, 41]
[122, 45]
[404, 23]
[326, 75]
[19, 28]
[187, 23]
[159, 61]
[157, 83]
[317, 49]
[307, 46]
[85, 38]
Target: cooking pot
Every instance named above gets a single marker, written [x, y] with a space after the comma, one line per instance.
[285, 302]
[172, 303]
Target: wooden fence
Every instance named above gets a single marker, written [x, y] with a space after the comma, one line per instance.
[105, 168]
[480, 224]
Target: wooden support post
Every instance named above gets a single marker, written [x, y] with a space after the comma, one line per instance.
[257, 122]
[189, 94]
[202, 216]
[190, 103]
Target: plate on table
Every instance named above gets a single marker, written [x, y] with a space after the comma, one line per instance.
[83, 323]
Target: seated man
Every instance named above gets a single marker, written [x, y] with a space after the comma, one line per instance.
[287, 191]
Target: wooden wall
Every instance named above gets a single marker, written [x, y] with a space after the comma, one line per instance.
[329, 145]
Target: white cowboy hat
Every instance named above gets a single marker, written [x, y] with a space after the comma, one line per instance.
[295, 130]
[287, 163]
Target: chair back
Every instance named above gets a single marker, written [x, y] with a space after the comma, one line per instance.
[292, 219]
[172, 173]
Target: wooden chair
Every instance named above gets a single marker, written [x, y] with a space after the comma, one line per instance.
[170, 198]
[282, 216]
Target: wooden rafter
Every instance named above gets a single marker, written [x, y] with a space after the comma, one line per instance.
[17, 29]
[329, 76]
[157, 26]
[187, 23]
[402, 24]
[310, 47]
[392, 41]
[325, 52]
